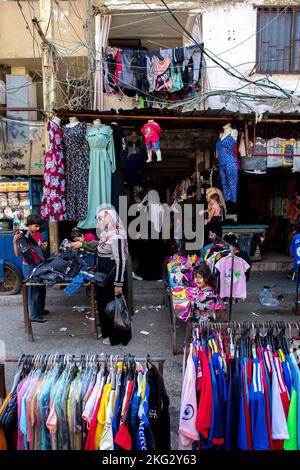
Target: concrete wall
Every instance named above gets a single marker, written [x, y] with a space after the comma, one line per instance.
[16, 42]
[229, 32]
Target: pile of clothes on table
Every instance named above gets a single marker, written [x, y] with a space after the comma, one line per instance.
[180, 278]
[75, 267]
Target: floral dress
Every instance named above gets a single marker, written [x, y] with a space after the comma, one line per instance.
[53, 205]
[206, 303]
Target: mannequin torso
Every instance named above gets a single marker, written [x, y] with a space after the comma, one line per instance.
[73, 122]
[228, 131]
[56, 120]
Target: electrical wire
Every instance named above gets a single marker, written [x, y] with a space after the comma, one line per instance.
[205, 51]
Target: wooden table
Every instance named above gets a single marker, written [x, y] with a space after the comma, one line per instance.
[27, 320]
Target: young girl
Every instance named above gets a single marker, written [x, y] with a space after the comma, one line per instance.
[77, 236]
[214, 221]
[207, 300]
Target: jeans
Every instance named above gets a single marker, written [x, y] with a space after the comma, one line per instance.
[36, 295]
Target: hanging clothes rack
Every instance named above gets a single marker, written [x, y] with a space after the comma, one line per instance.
[231, 248]
[76, 359]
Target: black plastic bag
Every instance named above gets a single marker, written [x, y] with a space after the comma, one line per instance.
[110, 309]
[121, 317]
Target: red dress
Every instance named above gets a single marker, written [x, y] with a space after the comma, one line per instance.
[53, 205]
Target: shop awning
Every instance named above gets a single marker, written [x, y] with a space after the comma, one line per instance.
[207, 115]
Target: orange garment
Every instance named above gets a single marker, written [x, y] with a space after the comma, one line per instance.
[3, 445]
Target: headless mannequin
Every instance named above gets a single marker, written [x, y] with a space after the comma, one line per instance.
[149, 152]
[57, 120]
[73, 121]
[133, 137]
[97, 123]
[228, 130]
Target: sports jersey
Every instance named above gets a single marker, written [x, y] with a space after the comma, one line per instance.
[295, 250]
[257, 401]
[188, 410]
[204, 412]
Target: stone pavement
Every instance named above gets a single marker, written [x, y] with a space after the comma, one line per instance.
[68, 330]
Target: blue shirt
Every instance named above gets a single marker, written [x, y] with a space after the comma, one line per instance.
[295, 250]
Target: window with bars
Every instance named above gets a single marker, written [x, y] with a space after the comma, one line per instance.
[278, 40]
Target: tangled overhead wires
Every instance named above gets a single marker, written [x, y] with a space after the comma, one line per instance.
[271, 85]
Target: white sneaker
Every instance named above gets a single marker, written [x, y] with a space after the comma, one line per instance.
[137, 278]
[159, 159]
[106, 341]
[149, 160]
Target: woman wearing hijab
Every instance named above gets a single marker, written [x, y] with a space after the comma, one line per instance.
[112, 250]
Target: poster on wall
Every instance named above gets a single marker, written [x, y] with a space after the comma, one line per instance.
[22, 158]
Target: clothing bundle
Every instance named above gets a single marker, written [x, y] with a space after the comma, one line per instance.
[147, 72]
[74, 266]
[240, 392]
[58, 403]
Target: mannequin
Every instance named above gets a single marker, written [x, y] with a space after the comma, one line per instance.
[151, 132]
[57, 120]
[227, 129]
[73, 121]
[228, 165]
[99, 138]
[53, 204]
[77, 162]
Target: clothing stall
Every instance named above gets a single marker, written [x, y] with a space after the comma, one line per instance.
[63, 402]
[240, 387]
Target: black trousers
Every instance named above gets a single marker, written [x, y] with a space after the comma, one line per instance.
[105, 295]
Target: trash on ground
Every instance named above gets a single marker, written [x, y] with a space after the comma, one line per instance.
[80, 308]
[266, 298]
[63, 329]
[144, 332]
[151, 324]
[89, 318]
[255, 314]
[136, 311]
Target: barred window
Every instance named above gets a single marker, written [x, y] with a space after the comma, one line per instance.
[278, 40]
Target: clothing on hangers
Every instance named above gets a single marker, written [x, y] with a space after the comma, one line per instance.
[244, 389]
[62, 404]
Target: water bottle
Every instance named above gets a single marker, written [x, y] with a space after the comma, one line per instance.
[267, 299]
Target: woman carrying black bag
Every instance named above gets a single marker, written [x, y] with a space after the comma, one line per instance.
[112, 250]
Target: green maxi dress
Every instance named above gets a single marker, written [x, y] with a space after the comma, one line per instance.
[102, 165]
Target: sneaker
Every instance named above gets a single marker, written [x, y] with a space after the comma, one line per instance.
[106, 341]
[137, 278]
[39, 320]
